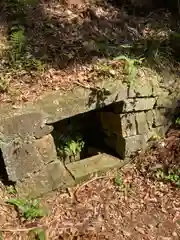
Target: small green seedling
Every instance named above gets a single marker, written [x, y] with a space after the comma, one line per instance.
[130, 66]
[29, 209]
[177, 121]
[38, 233]
[172, 176]
[11, 189]
[118, 181]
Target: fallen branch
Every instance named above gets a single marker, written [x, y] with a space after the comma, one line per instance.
[19, 229]
[85, 184]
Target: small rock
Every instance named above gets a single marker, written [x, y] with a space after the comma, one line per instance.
[140, 230]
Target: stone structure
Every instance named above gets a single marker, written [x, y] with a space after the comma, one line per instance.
[135, 114]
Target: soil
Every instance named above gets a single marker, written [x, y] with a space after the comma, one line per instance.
[69, 41]
[129, 204]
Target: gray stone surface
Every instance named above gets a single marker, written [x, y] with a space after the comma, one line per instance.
[142, 125]
[164, 100]
[51, 177]
[24, 126]
[138, 104]
[160, 117]
[58, 106]
[87, 167]
[20, 159]
[130, 145]
[141, 88]
[150, 119]
[128, 124]
[46, 148]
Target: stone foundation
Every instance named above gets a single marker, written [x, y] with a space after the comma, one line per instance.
[134, 114]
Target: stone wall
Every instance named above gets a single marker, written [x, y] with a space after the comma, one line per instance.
[135, 114]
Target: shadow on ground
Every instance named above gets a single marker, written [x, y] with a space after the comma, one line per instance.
[61, 36]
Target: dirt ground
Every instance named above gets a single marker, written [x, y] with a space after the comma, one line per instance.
[68, 41]
[132, 203]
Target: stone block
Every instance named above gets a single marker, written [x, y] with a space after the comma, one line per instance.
[51, 177]
[128, 124]
[161, 117]
[150, 119]
[46, 148]
[140, 88]
[35, 185]
[20, 159]
[138, 104]
[60, 177]
[24, 126]
[130, 145]
[164, 100]
[142, 125]
[100, 163]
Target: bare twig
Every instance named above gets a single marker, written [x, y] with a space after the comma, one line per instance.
[19, 229]
[85, 184]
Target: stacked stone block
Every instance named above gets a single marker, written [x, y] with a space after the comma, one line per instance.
[27, 147]
[131, 123]
[29, 154]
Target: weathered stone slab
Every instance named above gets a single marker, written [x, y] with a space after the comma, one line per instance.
[150, 119]
[128, 124]
[24, 126]
[46, 148]
[60, 177]
[161, 117]
[140, 88]
[57, 106]
[164, 100]
[34, 186]
[51, 177]
[99, 163]
[20, 159]
[130, 145]
[142, 125]
[138, 104]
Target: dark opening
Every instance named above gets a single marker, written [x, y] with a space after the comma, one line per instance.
[3, 173]
[82, 136]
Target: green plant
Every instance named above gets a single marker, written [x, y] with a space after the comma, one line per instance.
[118, 180]
[29, 209]
[19, 52]
[4, 84]
[130, 66]
[173, 176]
[11, 189]
[38, 233]
[71, 147]
[177, 121]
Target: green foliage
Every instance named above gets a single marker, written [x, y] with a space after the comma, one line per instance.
[177, 121]
[118, 180]
[1, 235]
[173, 176]
[11, 189]
[17, 42]
[20, 56]
[71, 147]
[3, 84]
[28, 209]
[130, 67]
[38, 233]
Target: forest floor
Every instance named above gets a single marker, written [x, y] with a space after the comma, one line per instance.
[47, 46]
[140, 201]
